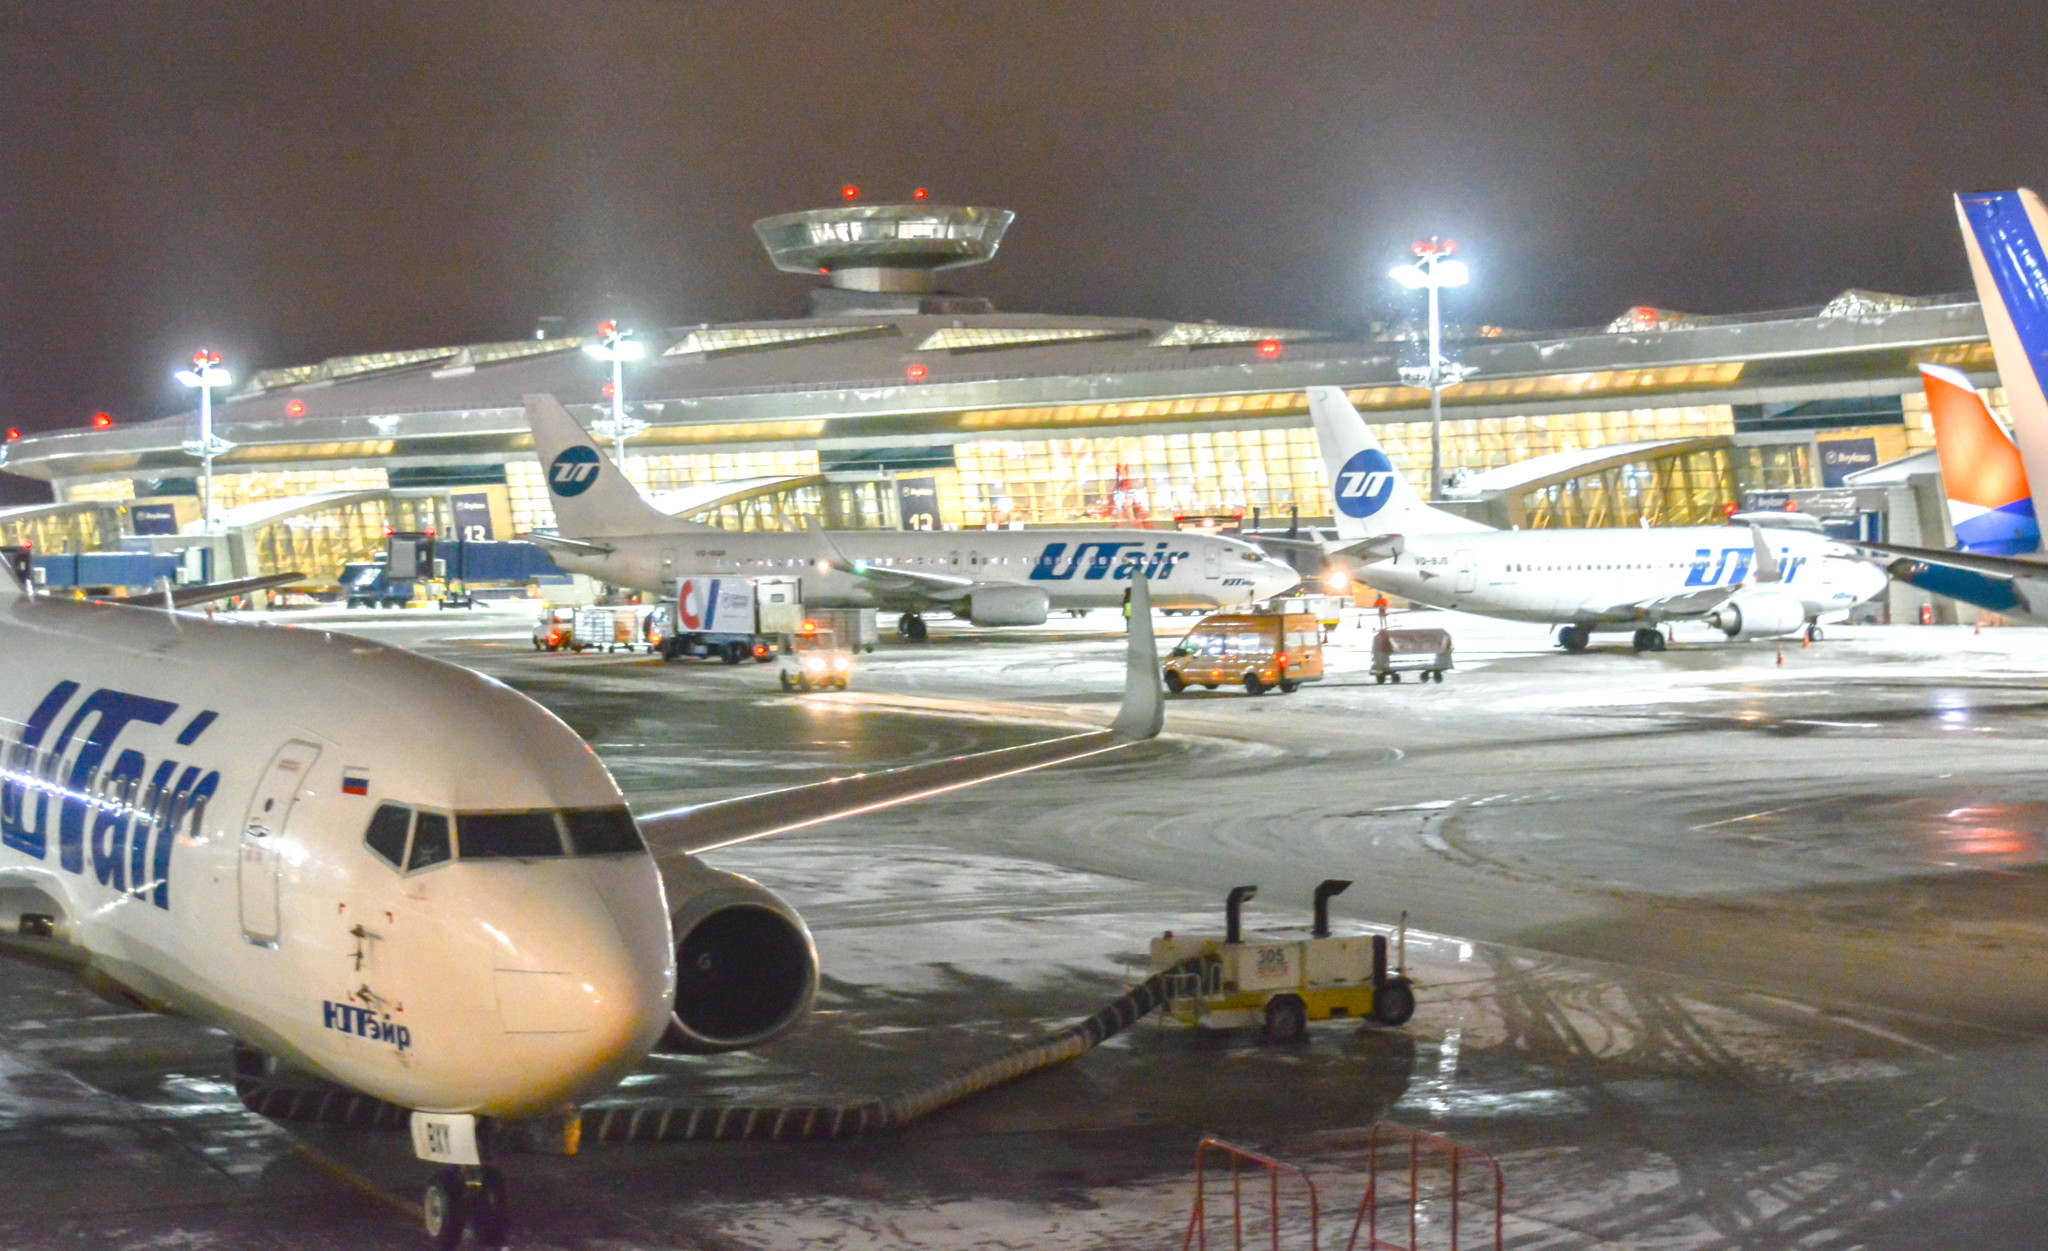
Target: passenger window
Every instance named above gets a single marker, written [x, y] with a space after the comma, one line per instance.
[601, 831]
[386, 836]
[430, 841]
[508, 835]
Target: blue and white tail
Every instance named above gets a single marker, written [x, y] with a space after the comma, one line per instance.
[591, 497]
[1369, 497]
[2003, 232]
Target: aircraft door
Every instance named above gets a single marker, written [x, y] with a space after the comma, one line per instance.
[1468, 573]
[270, 811]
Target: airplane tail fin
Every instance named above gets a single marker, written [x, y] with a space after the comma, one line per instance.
[2003, 233]
[1989, 503]
[591, 496]
[1369, 495]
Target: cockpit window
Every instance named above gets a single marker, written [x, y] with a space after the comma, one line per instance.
[430, 841]
[508, 835]
[601, 831]
[386, 836]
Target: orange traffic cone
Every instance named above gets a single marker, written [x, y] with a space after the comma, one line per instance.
[1781, 653]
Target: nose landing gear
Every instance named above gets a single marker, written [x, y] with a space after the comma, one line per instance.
[911, 626]
[465, 1196]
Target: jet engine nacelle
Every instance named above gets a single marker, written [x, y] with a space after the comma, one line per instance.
[746, 968]
[1007, 605]
[1759, 614]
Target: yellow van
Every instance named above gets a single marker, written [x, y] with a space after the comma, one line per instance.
[1255, 649]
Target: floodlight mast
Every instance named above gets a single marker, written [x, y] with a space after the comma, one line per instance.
[204, 376]
[1434, 270]
[617, 346]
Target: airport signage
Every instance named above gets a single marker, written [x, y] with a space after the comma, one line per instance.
[917, 500]
[472, 517]
[153, 518]
[1841, 457]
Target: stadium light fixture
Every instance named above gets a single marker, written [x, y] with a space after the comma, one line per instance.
[204, 376]
[1433, 270]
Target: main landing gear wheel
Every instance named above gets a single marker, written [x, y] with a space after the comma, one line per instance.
[911, 626]
[1649, 640]
[1813, 634]
[1573, 638]
[490, 1212]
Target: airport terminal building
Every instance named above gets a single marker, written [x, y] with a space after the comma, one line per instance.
[896, 403]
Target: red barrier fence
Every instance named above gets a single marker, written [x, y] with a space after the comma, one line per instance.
[1259, 1218]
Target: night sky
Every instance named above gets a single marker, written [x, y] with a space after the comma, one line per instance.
[290, 182]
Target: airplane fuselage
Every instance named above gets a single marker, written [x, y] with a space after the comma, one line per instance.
[1597, 577]
[186, 813]
[1075, 568]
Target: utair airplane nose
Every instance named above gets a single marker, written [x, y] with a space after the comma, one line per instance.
[1273, 577]
[582, 972]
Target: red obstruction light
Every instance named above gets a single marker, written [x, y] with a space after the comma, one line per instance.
[295, 408]
[1269, 349]
[1728, 509]
[919, 194]
[607, 390]
[849, 192]
[607, 329]
[12, 434]
[1791, 506]
[101, 421]
[915, 372]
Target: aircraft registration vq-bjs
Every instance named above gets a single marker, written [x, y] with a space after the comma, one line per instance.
[450, 910]
[1744, 584]
[605, 529]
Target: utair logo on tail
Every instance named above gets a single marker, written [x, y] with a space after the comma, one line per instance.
[1365, 484]
[573, 471]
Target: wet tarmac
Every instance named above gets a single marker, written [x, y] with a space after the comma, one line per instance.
[1713, 952]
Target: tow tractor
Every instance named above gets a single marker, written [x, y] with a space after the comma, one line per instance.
[1282, 983]
[812, 659]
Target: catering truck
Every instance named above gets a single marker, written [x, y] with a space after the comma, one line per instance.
[731, 618]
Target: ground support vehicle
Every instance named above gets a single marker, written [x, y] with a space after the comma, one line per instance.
[1395, 652]
[1281, 982]
[731, 619]
[1257, 650]
[854, 627]
[551, 633]
[1328, 610]
[812, 659]
[621, 627]
[366, 585]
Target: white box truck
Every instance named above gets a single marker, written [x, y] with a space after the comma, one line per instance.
[731, 618]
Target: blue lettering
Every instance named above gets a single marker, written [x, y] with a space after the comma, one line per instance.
[1048, 569]
[110, 827]
[148, 820]
[328, 1006]
[404, 1038]
[22, 770]
[1166, 562]
[187, 806]
[112, 712]
[1698, 575]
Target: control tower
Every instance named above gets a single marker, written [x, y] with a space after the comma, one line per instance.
[881, 250]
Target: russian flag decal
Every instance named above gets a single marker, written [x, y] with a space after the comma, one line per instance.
[355, 781]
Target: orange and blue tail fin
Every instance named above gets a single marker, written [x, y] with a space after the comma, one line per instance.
[2003, 233]
[1988, 501]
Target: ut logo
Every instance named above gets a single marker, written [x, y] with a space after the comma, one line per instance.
[573, 471]
[1365, 483]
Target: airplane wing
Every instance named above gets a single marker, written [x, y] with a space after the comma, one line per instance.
[1378, 547]
[932, 585]
[687, 831]
[204, 592]
[2015, 585]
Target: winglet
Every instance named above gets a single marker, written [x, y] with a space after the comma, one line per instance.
[1766, 566]
[1144, 709]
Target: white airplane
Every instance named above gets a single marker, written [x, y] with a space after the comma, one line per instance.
[2003, 232]
[606, 529]
[395, 874]
[1584, 580]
